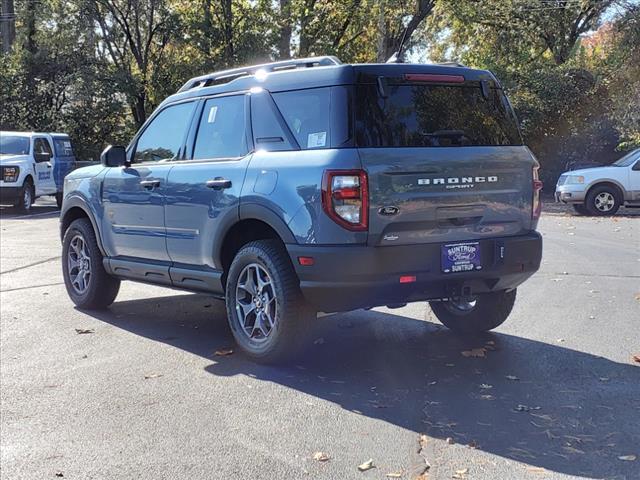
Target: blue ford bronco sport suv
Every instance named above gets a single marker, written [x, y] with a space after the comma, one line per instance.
[311, 186]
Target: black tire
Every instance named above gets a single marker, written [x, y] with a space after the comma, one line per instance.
[292, 313]
[101, 288]
[602, 201]
[580, 209]
[59, 197]
[490, 311]
[26, 197]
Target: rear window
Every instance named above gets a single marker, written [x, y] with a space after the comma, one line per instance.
[433, 116]
[63, 147]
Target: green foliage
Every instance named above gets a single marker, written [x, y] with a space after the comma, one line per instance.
[97, 68]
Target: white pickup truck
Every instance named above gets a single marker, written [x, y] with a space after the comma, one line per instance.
[602, 190]
[32, 165]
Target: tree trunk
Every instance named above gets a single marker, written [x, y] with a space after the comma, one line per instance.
[382, 33]
[8, 25]
[284, 40]
[227, 14]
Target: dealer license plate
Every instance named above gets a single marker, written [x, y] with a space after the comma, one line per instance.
[461, 257]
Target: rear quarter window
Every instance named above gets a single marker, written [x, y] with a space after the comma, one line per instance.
[307, 114]
[434, 116]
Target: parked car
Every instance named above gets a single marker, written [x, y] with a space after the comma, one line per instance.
[311, 186]
[32, 165]
[602, 190]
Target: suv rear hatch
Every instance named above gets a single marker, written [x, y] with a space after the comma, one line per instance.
[443, 155]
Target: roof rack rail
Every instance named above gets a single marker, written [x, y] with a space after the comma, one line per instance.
[225, 76]
[451, 64]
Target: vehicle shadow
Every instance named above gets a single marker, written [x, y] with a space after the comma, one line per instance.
[39, 210]
[541, 404]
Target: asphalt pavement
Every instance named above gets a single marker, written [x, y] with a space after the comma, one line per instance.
[137, 391]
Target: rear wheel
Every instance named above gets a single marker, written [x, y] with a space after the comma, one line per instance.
[580, 209]
[26, 197]
[88, 284]
[602, 201]
[476, 314]
[267, 313]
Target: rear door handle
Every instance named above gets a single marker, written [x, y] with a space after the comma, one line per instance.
[219, 183]
[150, 184]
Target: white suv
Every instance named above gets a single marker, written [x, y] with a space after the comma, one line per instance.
[33, 164]
[602, 190]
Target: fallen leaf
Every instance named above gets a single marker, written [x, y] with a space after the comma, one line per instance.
[474, 352]
[560, 340]
[320, 457]
[450, 441]
[152, 375]
[512, 377]
[636, 358]
[485, 386]
[82, 331]
[368, 465]
[318, 341]
[627, 458]
[487, 397]
[223, 352]
[59, 474]
[537, 469]
[394, 475]
[473, 444]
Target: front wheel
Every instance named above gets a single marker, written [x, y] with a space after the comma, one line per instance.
[602, 201]
[26, 197]
[476, 314]
[267, 314]
[88, 284]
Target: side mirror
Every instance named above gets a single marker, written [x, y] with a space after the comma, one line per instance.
[113, 156]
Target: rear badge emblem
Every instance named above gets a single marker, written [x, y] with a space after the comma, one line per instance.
[388, 210]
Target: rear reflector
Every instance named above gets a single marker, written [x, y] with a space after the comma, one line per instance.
[407, 278]
[430, 77]
[306, 261]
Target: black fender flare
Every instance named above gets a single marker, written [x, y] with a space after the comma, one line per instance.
[252, 211]
[76, 201]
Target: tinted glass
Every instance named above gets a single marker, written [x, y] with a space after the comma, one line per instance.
[221, 133]
[10, 145]
[433, 116]
[163, 137]
[40, 145]
[63, 147]
[307, 115]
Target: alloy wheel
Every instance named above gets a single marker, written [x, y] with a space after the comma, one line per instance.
[256, 302]
[79, 264]
[604, 201]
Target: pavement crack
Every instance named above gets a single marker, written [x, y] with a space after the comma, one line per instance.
[32, 286]
[30, 265]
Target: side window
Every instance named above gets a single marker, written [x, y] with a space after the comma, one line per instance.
[63, 147]
[41, 146]
[163, 137]
[221, 133]
[307, 115]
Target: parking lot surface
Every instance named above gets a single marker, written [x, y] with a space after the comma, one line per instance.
[138, 391]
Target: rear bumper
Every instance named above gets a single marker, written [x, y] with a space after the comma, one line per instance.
[350, 277]
[9, 195]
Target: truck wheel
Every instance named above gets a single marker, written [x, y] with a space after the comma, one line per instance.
[602, 201]
[26, 197]
[267, 313]
[580, 209]
[59, 197]
[483, 313]
[88, 284]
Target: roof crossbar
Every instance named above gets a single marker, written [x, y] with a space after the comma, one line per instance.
[226, 76]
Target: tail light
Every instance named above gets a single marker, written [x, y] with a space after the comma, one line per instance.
[345, 198]
[537, 187]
